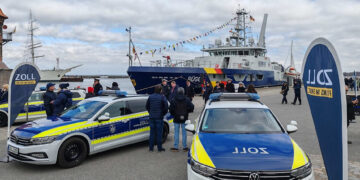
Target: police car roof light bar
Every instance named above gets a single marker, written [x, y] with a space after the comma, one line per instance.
[234, 97]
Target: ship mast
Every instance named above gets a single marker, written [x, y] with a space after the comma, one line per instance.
[33, 45]
[240, 28]
[130, 41]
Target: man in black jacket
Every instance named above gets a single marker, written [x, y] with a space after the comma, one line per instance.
[207, 92]
[97, 87]
[297, 91]
[165, 88]
[49, 98]
[180, 108]
[230, 86]
[157, 106]
[189, 90]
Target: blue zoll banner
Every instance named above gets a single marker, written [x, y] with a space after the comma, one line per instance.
[23, 81]
[325, 90]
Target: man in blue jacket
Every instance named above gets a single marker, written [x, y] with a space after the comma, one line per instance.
[157, 106]
[63, 99]
[49, 98]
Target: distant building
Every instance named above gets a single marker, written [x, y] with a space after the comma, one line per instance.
[4, 38]
[2, 19]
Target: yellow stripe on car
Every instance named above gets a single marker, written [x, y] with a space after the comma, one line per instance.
[201, 153]
[117, 136]
[32, 113]
[300, 158]
[38, 102]
[85, 124]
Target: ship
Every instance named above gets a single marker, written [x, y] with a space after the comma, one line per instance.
[47, 75]
[240, 59]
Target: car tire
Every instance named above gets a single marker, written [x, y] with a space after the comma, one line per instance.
[165, 133]
[72, 153]
[3, 119]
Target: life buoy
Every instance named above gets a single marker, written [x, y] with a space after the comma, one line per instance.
[216, 65]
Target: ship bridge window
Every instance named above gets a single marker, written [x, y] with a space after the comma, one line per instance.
[250, 78]
[262, 64]
[226, 53]
[241, 53]
[246, 53]
[259, 77]
[252, 53]
[233, 53]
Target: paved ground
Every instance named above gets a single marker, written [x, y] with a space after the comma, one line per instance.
[135, 162]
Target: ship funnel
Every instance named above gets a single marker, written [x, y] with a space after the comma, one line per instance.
[261, 42]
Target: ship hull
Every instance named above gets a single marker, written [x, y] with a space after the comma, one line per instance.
[52, 75]
[144, 78]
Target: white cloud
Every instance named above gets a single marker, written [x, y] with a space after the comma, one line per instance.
[92, 32]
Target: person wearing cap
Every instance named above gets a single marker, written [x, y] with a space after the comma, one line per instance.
[49, 97]
[63, 99]
[241, 88]
[97, 87]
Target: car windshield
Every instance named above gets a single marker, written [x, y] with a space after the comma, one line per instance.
[83, 110]
[240, 120]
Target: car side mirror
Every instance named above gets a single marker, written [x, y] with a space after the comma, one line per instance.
[293, 123]
[190, 128]
[104, 117]
[291, 128]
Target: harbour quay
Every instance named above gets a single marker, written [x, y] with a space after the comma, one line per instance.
[136, 162]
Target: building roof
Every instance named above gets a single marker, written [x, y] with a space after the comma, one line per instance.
[3, 65]
[2, 14]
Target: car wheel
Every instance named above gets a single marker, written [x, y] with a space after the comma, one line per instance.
[3, 119]
[165, 133]
[72, 153]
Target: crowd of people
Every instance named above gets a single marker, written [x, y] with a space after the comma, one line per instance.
[180, 99]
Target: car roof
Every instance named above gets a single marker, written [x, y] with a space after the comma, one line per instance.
[236, 104]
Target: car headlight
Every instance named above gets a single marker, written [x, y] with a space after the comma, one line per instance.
[43, 140]
[302, 171]
[202, 169]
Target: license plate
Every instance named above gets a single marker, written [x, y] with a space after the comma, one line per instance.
[13, 150]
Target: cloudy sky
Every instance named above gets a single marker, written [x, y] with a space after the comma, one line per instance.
[93, 33]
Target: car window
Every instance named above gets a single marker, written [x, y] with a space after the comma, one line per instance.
[83, 110]
[117, 109]
[138, 105]
[36, 97]
[240, 120]
[76, 95]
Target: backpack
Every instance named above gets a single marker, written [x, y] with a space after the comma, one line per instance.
[181, 110]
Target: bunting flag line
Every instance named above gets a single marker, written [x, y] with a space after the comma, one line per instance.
[194, 38]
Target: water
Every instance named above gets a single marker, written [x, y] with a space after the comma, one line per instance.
[124, 84]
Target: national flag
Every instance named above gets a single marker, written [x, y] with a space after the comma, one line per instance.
[252, 19]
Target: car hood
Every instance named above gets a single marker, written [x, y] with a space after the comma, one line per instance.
[249, 152]
[33, 128]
